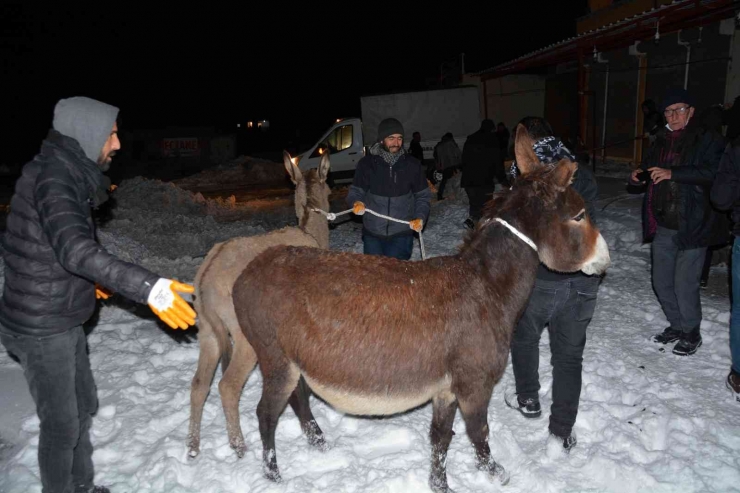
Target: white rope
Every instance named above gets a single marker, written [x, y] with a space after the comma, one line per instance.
[518, 233]
[330, 216]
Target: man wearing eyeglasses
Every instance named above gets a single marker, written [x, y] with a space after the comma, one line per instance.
[677, 215]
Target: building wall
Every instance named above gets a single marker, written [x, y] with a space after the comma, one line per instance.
[510, 98]
[708, 70]
[621, 97]
[561, 101]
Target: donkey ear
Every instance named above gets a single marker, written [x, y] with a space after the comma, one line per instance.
[562, 174]
[526, 159]
[292, 169]
[324, 167]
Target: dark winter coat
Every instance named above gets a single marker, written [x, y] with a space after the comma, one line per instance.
[692, 172]
[725, 192]
[416, 150]
[399, 191]
[447, 154]
[482, 160]
[52, 259]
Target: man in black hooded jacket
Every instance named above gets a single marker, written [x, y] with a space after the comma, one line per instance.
[482, 161]
[54, 270]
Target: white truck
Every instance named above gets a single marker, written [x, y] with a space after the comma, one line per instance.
[431, 113]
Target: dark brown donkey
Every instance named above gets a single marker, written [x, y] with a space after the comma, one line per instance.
[360, 330]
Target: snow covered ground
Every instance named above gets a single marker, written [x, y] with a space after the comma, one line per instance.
[648, 420]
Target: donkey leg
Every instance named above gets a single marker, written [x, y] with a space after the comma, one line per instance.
[279, 380]
[474, 409]
[299, 401]
[201, 383]
[242, 363]
[445, 407]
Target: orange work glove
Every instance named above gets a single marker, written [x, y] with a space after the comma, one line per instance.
[169, 306]
[101, 292]
[416, 225]
[358, 208]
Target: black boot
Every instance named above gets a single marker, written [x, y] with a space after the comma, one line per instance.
[667, 336]
[689, 343]
[733, 383]
[529, 406]
[568, 439]
[94, 489]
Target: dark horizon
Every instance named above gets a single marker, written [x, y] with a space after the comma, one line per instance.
[219, 68]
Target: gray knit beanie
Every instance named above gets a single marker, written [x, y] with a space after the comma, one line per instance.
[86, 120]
[388, 127]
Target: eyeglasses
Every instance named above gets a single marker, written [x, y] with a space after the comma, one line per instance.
[680, 111]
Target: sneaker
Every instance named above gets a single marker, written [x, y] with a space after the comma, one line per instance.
[568, 442]
[689, 343]
[667, 336]
[94, 489]
[529, 406]
[733, 383]
[469, 223]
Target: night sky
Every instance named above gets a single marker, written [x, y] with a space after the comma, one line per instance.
[213, 65]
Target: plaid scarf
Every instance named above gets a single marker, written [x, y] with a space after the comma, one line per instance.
[378, 150]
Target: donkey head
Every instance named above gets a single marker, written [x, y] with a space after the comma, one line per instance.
[311, 188]
[551, 213]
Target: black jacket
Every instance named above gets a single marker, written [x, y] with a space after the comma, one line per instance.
[482, 160]
[699, 224]
[400, 191]
[725, 192]
[52, 259]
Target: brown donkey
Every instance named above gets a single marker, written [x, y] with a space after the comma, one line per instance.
[359, 330]
[217, 320]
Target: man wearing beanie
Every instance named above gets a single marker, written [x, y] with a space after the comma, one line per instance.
[54, 271]
[677, 215]
[391, 182]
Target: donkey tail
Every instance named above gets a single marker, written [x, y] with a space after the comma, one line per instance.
[225, 348]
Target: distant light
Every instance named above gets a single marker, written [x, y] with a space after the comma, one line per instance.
[238, 125]
[249, 124]
[339, 120]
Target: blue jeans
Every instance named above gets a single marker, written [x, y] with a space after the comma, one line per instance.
[399, 247]
[566, 307]
[60, 380]
[735, 316]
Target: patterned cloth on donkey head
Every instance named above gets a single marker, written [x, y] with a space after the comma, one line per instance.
[549, 150]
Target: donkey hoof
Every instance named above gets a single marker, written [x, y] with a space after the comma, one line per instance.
[318, 442]
[272, 474]
[193, 448]
[239, 448]
[439, 485]
[315, 436]
[498, 471]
